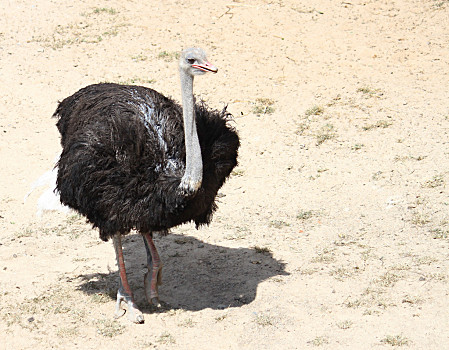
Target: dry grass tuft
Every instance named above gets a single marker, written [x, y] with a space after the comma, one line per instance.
[263, 106]
[166, 338]
[395, 340]
[319, 341]
[109, 328]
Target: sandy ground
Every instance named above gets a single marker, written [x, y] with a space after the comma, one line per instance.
[332, 233]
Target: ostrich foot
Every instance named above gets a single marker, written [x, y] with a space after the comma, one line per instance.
[134, 314]
[153, 279]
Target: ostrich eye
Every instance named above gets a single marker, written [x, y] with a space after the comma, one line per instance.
[191, 60]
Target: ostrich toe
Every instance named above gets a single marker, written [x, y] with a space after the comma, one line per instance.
[134, 314]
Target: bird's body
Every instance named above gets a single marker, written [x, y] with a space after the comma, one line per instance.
[134, 159]
[123, 159]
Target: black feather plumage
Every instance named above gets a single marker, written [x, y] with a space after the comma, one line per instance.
[123, 158]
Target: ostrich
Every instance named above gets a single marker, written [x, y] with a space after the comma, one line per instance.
[134, 159]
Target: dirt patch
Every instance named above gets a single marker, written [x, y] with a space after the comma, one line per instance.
[333, 231]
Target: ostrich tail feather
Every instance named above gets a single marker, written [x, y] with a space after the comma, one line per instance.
[49, 200]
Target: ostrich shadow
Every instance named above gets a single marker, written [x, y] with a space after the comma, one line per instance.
[196, 275]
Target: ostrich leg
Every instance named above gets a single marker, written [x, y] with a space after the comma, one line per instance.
[153, 277]
[124, 292]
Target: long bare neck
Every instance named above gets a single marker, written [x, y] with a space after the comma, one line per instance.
[193, 175]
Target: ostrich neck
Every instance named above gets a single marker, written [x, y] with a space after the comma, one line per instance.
[194, 165]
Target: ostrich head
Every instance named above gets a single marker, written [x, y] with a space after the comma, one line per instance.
[193, 62]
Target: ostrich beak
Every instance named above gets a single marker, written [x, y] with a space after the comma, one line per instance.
[206, 67]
